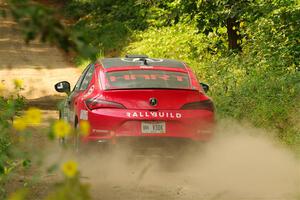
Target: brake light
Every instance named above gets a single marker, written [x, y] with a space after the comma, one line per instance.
[95, 103]
[199, 105]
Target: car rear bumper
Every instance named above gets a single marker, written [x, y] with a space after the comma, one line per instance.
[117, 124]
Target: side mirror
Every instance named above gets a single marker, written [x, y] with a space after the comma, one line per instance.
[63, 86]
[205, 87]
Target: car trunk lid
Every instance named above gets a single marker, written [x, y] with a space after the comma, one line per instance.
[153, 99]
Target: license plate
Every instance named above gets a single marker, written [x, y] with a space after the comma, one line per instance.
[153, 127]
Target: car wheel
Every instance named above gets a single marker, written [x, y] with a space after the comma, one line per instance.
[76, 138]
[78, 146]
[90, 147]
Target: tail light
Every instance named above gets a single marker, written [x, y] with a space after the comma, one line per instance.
[199, 105]
[95, 103]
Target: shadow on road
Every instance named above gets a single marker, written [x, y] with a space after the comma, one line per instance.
[49, 102]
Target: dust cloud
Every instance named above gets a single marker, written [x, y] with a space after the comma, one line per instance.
[239, 163]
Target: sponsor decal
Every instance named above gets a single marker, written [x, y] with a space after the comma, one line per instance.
[90, 91]
[83, 114]
[146, 67]
[149, 114]
[99, 131]
[154, 77]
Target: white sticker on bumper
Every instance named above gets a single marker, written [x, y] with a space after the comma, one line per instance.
[84, 115]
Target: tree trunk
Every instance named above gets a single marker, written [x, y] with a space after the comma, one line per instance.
[233, 37]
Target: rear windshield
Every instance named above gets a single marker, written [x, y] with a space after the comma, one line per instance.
[135, 79]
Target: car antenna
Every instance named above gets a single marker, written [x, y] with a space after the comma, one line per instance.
[144, 60]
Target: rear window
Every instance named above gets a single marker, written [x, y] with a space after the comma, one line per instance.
[135, 79]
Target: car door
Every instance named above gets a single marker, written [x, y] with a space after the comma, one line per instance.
[76, 102]
[69, 112]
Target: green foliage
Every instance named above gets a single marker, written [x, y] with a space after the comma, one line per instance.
[40, 22]
[107, 24]
[20, 194]
[9, 160]
[261, 84]
[270, 85]
[181, 41]
[70, 188]
[16, 155]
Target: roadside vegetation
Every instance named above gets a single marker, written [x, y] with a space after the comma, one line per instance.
[19, 156]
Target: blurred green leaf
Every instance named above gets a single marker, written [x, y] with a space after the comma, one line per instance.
[26, 163]
[2, 169]
[40, 22]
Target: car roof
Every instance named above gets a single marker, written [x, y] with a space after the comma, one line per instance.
[140, 61]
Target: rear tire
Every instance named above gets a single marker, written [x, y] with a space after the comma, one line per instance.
[59, 114]
[86, 147]
[76, 138]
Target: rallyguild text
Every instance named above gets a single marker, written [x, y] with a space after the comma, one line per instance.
[154, 115]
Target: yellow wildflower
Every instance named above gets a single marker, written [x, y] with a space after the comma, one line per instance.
[18, 83]
[33, 116]
[84, 128]
[19, 124]
[61, 128]
[242, 24]
[69, 168]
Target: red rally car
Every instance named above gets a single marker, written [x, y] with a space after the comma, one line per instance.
[139, 97]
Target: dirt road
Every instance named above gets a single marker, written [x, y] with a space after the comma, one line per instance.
[237, 165]
[38, 65]
[240, 164]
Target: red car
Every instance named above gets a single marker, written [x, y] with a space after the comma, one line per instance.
[139, 97]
